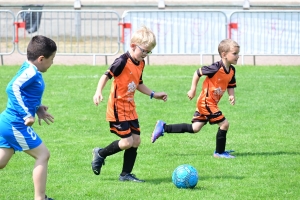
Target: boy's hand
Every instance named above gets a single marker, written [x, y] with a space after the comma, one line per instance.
[191, 94]
[29, 121]
[97, 99]
[161, 95]
[232, 100]
[44, 115]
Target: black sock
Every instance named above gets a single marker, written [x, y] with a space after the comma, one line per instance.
[179, 128]
[129, 160]
[221, 141]
[110, 149]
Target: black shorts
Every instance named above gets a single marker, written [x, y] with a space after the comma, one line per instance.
[125, 129]
[213, 118]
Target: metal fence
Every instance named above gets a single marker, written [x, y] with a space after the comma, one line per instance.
[199, 32]
[178, 32]
[266, 32]
[75, 32]
[7, 33]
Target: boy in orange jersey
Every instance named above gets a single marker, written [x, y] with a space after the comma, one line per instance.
[220, 76]
[127, 72]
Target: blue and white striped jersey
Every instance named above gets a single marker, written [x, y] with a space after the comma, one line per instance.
[24, 92]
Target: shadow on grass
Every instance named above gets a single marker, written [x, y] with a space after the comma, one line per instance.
[265, 153]
[221, 177]
[245, 154]
[168, 180]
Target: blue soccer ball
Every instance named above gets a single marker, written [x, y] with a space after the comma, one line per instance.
[185, 176]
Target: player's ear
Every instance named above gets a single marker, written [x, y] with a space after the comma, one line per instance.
[223, 54]
[133, 46]
[40, 58]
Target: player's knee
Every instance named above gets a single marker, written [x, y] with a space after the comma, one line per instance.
[224, 125]
[197, 127]
[45, 156]
[136, 142]
[2, 165]
[126, 144]
[196, 130]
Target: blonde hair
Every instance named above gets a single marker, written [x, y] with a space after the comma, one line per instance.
[144, 36]
[226, 45]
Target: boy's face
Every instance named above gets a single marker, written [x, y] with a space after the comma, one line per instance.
[232, 56]
[45, 63]
[139, 52]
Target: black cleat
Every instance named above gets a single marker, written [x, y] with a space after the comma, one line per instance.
[97, 162]
[48, 198]
[130, 177]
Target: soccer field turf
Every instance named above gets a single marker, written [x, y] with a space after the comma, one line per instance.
[264, 132]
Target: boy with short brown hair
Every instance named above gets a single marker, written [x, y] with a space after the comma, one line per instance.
[220, 76]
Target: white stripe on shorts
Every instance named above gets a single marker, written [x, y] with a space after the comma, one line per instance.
[20, 139]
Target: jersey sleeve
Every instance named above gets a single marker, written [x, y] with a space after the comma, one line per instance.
[209, 70]
[13, 90]
[117, 67]
[232, 83]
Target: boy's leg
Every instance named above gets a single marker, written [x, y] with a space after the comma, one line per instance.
[179, 128]
[5, 156]
[99, 155]
[221, 136]
[109, 150]
[221, 141]
[6, 150]
[162, 127]
[39, 175]
[130, 155]
[129, 161]
[121, 129]
[197, 123]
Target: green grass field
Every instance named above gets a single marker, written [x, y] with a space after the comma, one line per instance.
[264, 132]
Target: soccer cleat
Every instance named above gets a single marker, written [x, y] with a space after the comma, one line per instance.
[97, 162]
[48, 198]
[225, 154]
[158, 130]
[130, 177]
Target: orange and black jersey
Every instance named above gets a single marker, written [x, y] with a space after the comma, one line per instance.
[215, 84]
[127, 75]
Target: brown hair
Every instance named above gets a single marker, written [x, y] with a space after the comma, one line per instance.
[40, 46]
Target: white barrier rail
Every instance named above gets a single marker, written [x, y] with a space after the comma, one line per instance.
[177, 31]
[76, 32]
[266, 32]
[7, 33]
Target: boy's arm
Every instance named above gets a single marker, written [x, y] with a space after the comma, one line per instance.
[13, 91]
[192, 92]
[98, 94]
[157, 95]
[231, 95]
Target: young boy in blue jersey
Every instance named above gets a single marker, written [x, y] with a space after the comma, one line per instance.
[25, 92]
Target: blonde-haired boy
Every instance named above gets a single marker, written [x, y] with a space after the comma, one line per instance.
[127, 71]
